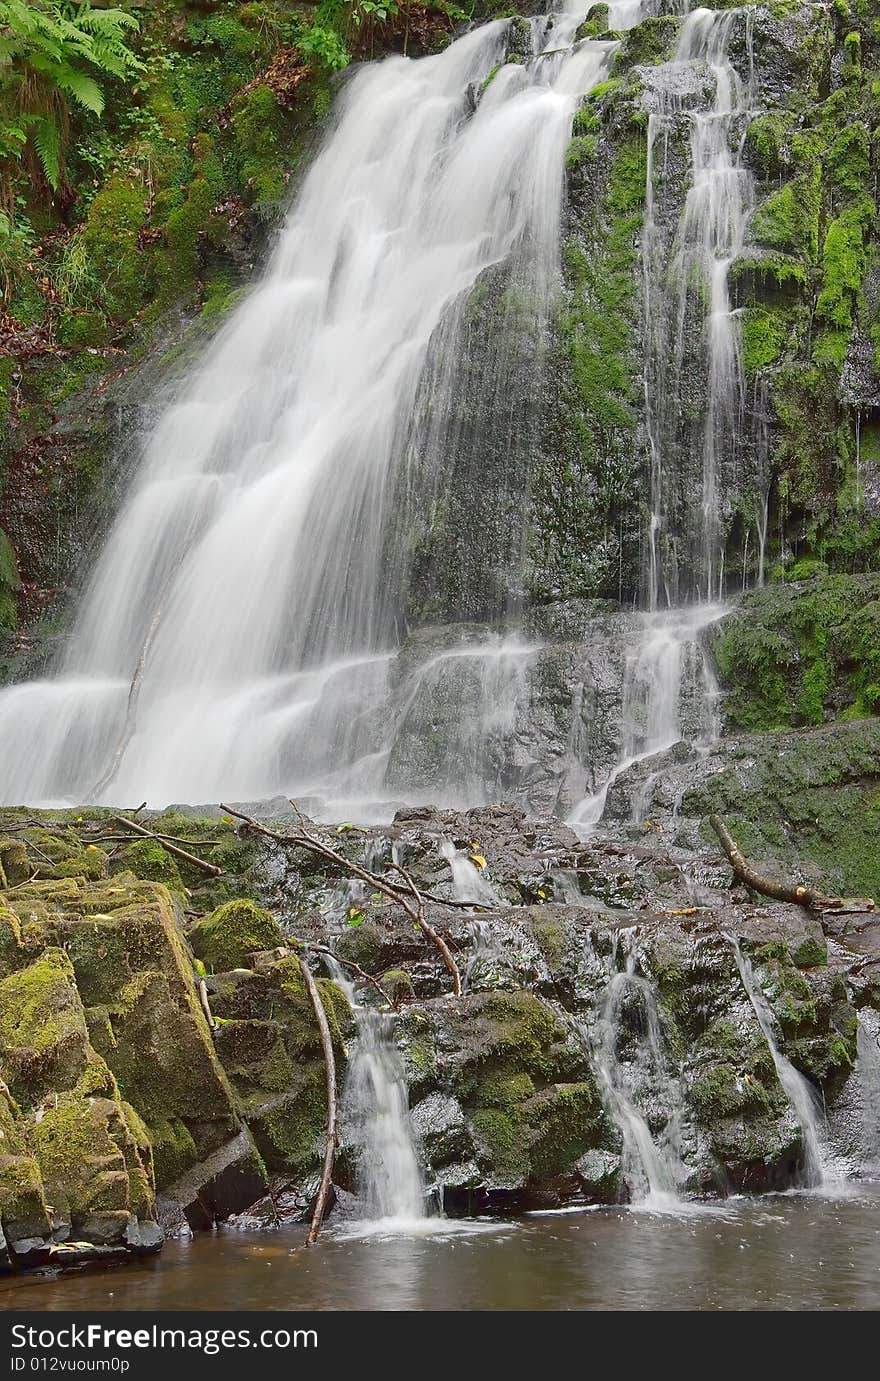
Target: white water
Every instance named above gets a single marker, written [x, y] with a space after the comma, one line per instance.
[375, 1120]
[868, 1071]
[663, 666]
[237, 637]
[468, 882]
[818, 1172]
[651, 1168]
[709, 239]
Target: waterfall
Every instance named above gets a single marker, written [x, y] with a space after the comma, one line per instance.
[238, 636]
[468, 883]
[375, 1120]
[686, 280]
[798, 1090]
[666, 681]
[626, 1058]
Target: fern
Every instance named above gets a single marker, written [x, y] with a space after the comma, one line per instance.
[54, 54]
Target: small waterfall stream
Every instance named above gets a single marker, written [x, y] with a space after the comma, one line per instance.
[690, 281]
[626, 1044]
[376, 1122]
[818, 1171]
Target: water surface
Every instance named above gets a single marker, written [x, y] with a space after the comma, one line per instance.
[780, 1252]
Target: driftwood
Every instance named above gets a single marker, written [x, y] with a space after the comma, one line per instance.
[332, 1135]
[797, 892]
[415, 909]
[137, 828]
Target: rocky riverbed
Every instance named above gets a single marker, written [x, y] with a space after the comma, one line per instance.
[603, 994]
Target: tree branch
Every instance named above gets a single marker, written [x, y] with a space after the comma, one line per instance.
[332, 1135]
[137, 828]
[304, 839]
[796, 892]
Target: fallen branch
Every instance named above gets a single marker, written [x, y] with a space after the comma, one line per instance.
[332, 1136]
[796, 892]
[355, 968]
[303, 839]
[187, 857]
[206, 1006]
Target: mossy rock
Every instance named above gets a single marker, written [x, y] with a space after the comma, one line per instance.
[227, 938]
[15, 865]
[44, 1041]
[90, 1161]
[398, 985]
[147, 859]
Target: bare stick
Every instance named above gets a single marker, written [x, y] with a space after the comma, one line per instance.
[140, 829]
[206, 1006]
[796, 892]
[332, 1136]
[312, 844]
[355, 968]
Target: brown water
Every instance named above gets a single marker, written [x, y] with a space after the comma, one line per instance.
[780, 1252]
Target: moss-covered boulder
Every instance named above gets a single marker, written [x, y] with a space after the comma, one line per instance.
[235, 931]
[271, 1048]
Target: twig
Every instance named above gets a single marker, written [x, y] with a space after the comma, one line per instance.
[796, 892]
[206, 1006]
[332, 1137]
[172, 848]
[33, 878]
[310, 842]
[355, 968]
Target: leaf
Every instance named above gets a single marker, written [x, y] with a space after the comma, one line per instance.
[478, 859]
[355, 918]
[47, 142]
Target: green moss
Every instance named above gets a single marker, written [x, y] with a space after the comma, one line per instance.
[15, 865]
[147, 859]
[764, 334]
[844, 261]
[235, 931]
[43, 1036]
[110, 235]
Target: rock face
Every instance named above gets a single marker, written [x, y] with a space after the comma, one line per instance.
[114, 1088]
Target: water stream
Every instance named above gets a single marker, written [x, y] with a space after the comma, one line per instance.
[818, 1169]
[626, 1044]
[375, 1122]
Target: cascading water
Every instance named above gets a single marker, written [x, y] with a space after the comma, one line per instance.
[687, 296]
[665, 674]
[376, 1122]
[817, 1169]
[238, 635]
[627, 1049]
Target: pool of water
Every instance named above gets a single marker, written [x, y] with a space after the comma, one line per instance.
[789, 1251]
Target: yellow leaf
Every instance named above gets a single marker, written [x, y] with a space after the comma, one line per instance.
[478, 859]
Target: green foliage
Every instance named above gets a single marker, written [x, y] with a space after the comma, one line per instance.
[844, 261]
[52, 54]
